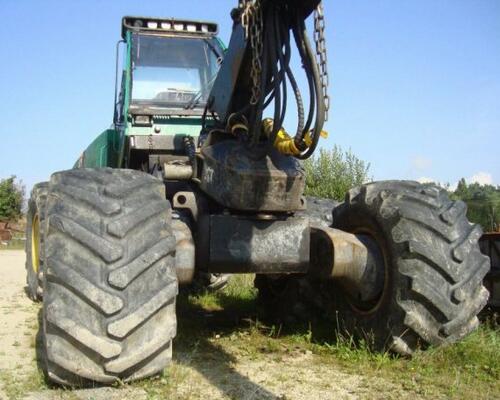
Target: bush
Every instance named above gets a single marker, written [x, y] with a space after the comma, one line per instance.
[483, 203]
[11, 199]
[333, 172]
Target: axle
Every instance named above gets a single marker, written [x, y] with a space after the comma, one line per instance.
[353, 260]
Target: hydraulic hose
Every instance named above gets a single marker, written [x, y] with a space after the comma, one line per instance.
[298, 32]
[270, 34]
[320, 102]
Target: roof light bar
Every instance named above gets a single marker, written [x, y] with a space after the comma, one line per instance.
[159, 25]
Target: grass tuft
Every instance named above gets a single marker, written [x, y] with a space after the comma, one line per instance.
[454, 371]
[218, 331]
[14, 244]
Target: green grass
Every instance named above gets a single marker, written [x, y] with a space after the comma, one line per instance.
[17, 242]
[455, 371]
[239, 295]
[16, 385]
[14, 244]
[469, 368]
[28, 377]
[217, 331]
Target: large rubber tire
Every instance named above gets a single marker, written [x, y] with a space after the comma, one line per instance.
[433, 266]
[35, 241]
[110, 287]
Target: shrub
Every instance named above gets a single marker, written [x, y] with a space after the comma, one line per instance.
[483, 203]
[11, 199]
[333, 172]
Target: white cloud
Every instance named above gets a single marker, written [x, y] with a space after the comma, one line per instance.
[421, 163]
[483, 178]
[425, 179]
[448, 186]
[453, 186]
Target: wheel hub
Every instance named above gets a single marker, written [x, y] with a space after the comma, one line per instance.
[354, 260]
[35, 243]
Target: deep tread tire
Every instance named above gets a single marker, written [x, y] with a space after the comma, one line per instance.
[434, 268]
[36, 207]
[110, 282]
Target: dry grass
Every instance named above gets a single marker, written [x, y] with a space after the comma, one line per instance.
[14, 244]
[224, 350]
[231, 319]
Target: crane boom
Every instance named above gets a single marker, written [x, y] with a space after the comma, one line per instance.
[256, 73]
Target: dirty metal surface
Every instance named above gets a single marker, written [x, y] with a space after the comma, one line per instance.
[243, 245]
[184, 249]
[353, 260]
[237, 179]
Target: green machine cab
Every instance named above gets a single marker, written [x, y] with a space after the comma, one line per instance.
[168, 70]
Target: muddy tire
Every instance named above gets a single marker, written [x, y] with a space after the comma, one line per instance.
[433, 267]
[35, 239]
[110, 282]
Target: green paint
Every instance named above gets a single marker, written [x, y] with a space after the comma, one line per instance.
[126, 101]
[221, 44]
[128, 74]
[102, 152]
[108, 149]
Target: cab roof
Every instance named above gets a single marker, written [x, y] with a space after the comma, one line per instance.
[169, 26]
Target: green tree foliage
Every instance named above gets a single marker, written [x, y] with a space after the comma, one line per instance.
[483, 203]
[11, 199]
[333, 172]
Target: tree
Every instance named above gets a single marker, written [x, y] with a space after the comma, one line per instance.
[462, 190]
[483, 203]
[333, 172]
[11, 199]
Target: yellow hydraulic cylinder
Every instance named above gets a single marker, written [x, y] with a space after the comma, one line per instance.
[284, 143]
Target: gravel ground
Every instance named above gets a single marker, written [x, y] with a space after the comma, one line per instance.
[221, 373]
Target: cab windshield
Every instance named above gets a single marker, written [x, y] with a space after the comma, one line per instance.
[173, 72]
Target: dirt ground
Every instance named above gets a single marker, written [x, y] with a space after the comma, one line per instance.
[206, 370]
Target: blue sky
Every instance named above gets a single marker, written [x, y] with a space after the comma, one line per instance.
[415, 85]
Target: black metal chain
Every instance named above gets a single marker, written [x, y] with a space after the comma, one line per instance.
[319, 38]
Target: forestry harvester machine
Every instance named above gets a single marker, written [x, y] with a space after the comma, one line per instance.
[197, 175]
